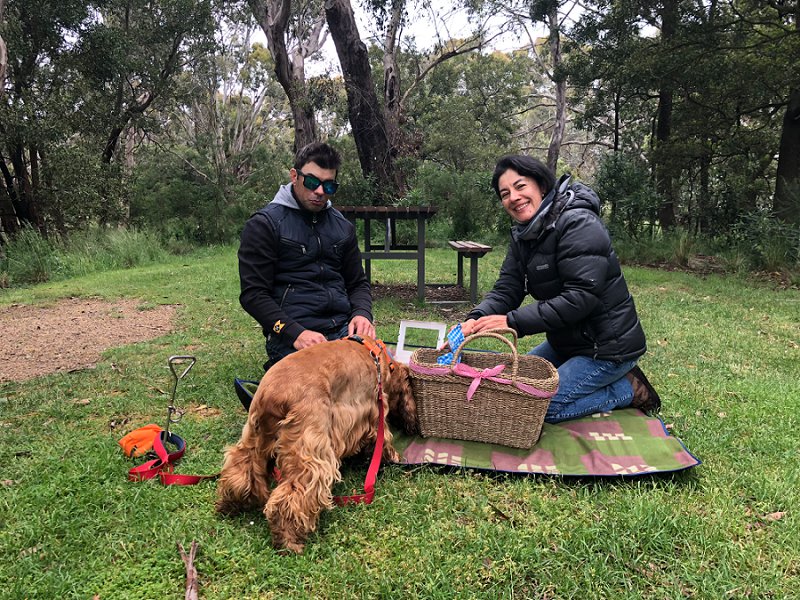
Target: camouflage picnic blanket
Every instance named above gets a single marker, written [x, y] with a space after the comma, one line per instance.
[620, 443]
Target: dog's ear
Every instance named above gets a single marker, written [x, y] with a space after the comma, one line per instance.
[400, 396]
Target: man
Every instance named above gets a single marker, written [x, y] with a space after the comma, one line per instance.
[299, 263]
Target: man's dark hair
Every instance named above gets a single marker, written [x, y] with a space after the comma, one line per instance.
[322, 154]
[527, 166]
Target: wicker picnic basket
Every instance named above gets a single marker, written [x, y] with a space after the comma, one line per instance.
[490, 397]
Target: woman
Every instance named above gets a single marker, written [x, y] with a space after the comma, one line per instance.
[560, 253]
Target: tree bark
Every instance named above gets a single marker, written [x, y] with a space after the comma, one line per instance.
[391, 75]
[557, 136]
[24, 205]
[787, 186]
[273, 17]
[665, 177]
[365, 113]
[3, 52]
[9, 223]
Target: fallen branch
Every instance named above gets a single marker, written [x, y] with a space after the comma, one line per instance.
[191, 571]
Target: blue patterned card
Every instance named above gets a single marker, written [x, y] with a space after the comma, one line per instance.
[455, 337]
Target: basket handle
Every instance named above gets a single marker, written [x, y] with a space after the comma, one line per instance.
[497, 334]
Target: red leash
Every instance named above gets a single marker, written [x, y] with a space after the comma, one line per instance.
[375, 351]
[374, 463]
[164, 465]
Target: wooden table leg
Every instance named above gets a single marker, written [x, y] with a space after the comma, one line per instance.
[473, 278]
[421, 258]
[460, 272]
[367, 248]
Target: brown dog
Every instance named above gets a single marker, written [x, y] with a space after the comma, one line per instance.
[311, 409]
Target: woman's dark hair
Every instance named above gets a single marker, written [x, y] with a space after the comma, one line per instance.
[322, 154]
[527, 166]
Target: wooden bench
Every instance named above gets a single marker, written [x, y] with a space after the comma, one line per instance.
[475, 251]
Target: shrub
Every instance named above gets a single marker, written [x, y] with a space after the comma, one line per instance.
[623, 184]
[465, 200]
[770, 244]
[29, 258]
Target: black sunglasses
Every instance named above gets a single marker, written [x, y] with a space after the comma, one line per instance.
[311, 183]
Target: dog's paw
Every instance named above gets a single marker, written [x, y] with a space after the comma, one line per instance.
[391, 455]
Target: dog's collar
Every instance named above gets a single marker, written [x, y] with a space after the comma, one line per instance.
[376, 348]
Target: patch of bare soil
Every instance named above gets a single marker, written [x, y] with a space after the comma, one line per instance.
[408, 292]
[71, 334]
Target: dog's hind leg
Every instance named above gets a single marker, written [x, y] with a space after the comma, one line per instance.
[245, 476]
[309, 466]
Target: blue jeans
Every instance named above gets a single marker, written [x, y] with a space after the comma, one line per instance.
[277, 348]
[586, 385]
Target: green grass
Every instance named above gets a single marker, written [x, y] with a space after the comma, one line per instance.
[724, 354]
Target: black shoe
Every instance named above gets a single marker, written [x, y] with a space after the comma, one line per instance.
[645, 397]
[245, 390]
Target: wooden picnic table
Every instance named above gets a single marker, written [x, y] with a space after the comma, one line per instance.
[388, 216]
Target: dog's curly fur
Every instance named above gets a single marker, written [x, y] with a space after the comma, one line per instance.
[311, 409]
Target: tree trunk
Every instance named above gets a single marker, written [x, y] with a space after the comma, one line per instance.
[9, 223]
[787, 186]
[273, 17]
[3, 52]
[364, 111]
[665, 178]
[557, 136]
[391, 72]
[24, 203]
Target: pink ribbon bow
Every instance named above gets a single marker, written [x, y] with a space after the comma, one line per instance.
[477, 376]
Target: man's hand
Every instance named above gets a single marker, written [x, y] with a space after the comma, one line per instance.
[361, 326]
[488, 322]
[308, 338]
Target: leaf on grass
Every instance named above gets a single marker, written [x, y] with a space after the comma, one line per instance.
[206, 411]
[31, 550]
[499, 512]
[775, 516]
[83, 401]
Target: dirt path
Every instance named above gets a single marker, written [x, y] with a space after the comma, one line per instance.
[71, 334]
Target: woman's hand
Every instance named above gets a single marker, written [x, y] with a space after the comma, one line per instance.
[488, 322]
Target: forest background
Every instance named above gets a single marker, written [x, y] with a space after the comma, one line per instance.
[176, 119]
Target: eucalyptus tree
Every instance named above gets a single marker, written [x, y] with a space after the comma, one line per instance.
[405, 67]
[787, 184]
[36, 104]
[82, 75]
[133, 54]
[231, 106]
[548, 94]
[3, 51]
[704, 76]
[295, 32]
[467, 110]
